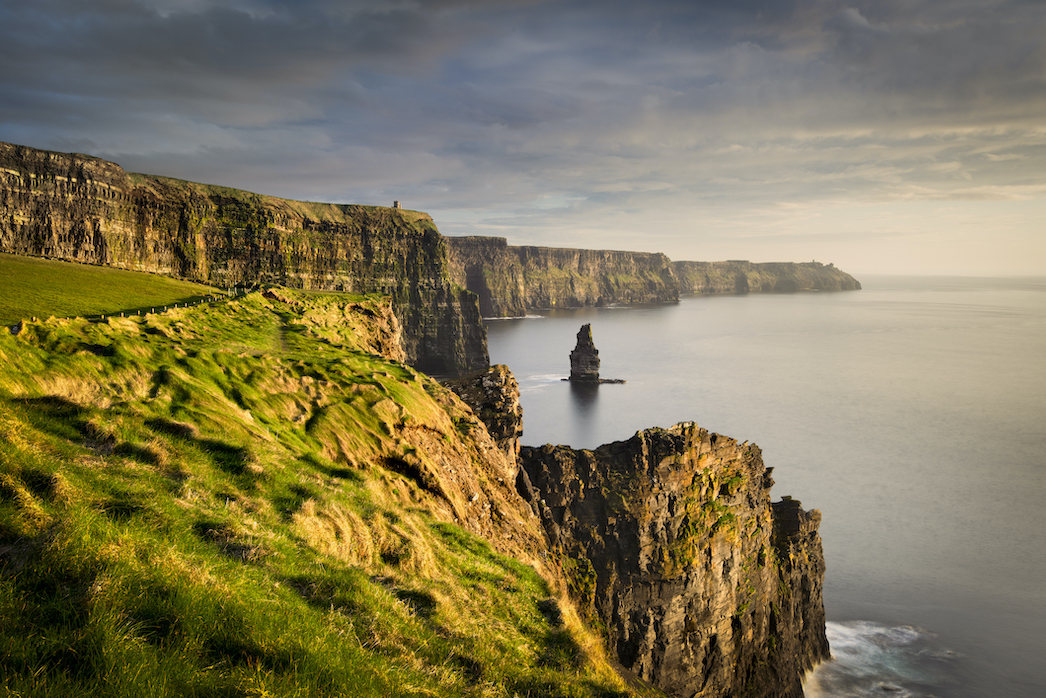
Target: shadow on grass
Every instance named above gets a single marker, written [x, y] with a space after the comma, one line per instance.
[228, 458]
[156, 615]
[122, 508]
[235, 649]
[331, 470]
[291, 500]
[56, 416]
[344, 592]
[421, 603]
[226, 540]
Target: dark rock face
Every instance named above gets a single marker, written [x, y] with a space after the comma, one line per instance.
[584, 360]
[671, 543]
[769, 277]
[493, 395]
[84, 209]
[510, 280]
[802, 568]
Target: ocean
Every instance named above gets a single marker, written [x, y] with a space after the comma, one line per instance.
[911, 413]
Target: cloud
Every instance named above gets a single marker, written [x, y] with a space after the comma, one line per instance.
[560, 120]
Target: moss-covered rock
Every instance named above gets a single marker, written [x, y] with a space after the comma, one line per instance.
[703, 588]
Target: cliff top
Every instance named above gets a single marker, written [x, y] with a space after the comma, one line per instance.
[22, 160]
[247, 497]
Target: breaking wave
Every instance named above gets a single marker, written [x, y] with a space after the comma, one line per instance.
[870, 659]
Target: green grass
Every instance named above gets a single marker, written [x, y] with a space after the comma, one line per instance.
[236, 499]
[43, 288]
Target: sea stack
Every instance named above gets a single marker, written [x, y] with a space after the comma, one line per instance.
[584, 360]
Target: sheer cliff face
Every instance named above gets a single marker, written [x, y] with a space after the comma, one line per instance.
[510, 279]
[88, 210]
[672, 544]
[766, 277]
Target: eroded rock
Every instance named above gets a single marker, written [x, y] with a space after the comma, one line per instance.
[672, 544]
[584, 360]
[493, 395]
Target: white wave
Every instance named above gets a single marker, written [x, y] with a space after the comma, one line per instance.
[871, 659]
[538, 382]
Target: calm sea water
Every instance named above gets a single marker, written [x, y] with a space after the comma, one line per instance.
[911, 413]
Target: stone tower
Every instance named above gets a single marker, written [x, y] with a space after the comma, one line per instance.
[584, 360]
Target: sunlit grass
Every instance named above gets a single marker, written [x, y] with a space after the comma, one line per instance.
[43, 288]
[194, 503]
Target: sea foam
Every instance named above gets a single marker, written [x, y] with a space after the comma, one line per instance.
[870, 659]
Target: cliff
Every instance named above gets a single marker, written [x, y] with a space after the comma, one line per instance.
[254, 497]
[671, 545]
[493, 395]
[702, 586]
[510, 279]
[84, 209]
[765, 277]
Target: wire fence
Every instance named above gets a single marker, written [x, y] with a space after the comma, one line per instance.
[231, 293]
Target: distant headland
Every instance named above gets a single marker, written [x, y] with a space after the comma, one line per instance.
[511, 280]
[84, 209]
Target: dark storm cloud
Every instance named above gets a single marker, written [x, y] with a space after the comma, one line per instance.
[214, 51]
[544, 117]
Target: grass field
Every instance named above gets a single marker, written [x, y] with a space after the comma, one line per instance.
[243, 499]
[42, 288]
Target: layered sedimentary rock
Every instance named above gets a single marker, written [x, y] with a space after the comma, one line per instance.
[584, 359]
[768, 277]
[510, 279]
[84, 209]
[671, 542]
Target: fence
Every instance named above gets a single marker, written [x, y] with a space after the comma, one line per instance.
[231, 293]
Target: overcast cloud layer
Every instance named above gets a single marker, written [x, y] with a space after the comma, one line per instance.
[883, 135]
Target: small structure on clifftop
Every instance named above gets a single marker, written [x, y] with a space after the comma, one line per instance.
[584, 360]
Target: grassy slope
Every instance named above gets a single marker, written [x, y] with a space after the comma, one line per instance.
[42, 288]
[210, 502]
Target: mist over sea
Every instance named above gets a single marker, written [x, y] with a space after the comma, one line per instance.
[911, 413]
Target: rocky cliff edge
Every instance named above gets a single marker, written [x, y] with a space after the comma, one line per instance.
[84, 209]
[672, 548]
[702, 587]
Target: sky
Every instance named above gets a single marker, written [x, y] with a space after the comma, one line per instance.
[885, 136]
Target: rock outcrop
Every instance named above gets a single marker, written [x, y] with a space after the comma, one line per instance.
[672, 545]
[84, 209]
[511, 280]
[584, 359]
[493, 395]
